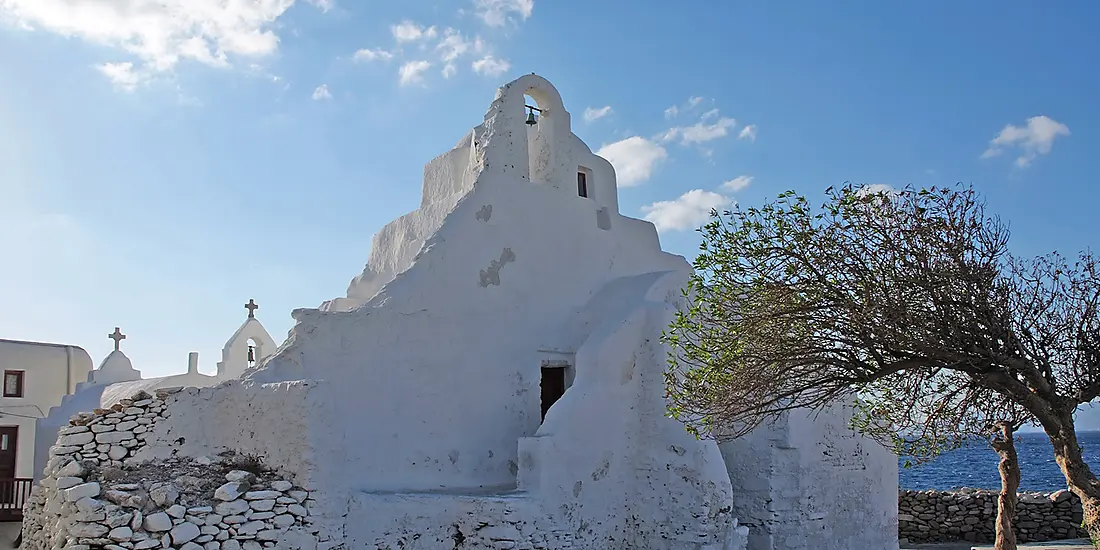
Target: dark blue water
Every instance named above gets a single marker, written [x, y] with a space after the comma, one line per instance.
[976, 466]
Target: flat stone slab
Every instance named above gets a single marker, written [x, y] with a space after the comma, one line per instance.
[1069, 544]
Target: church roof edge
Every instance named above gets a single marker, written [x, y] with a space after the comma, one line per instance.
[34, 343]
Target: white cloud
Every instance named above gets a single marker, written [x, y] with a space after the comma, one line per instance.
[596, 113]
[453, 45]
[449, 70]
[634, 159]
[738, 183]
[413, 72]
[748, 132]
[160, 33]
[408, 31]
[1037, 138]
[700, 132]
[875, 188]
[122, 75]
[324, 5]
[689, 211]
[322, 93]
[496, 13]
[491, 66]
[377, 54]
[692, 103]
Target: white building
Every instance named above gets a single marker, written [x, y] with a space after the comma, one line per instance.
[116, 378]
[35, 377]
[494, 379]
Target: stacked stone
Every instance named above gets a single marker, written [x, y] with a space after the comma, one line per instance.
[970, 515]
[84, 502]
[108, 437]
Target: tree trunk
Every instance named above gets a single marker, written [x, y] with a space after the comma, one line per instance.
[1079, 477]
[1009, 468]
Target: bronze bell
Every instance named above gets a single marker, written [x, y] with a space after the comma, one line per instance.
[531, 120]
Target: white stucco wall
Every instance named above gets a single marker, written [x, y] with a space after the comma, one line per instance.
[50, 372]
[809, 481]
[607, 455]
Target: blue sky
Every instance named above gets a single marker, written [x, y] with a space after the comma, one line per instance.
[161, 162]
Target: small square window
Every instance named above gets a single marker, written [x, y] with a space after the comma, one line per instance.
[582, 184]
[13, 383]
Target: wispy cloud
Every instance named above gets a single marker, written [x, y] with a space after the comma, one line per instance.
[122, 75]
[738, 183]
[491, 66]
[634, 159]
[408, 31]
[496, 13]
[596, 113]
[376, 54]
[875, 188]
[688, 211]
[691, 104]
[413, 72]
[1032, 140]
[748, 132]
[322, 93]
[702, 131]
[453, 45]
[449, 45]
[162, 33]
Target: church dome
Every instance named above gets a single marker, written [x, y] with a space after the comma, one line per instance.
[116, 362]
[116, 367]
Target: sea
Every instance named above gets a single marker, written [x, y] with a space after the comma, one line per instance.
[975, 465]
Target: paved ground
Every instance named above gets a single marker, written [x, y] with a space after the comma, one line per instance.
[8, 532]
[1076, 544]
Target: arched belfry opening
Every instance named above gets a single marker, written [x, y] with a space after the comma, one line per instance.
[540, 142]
[255, 352]
[538, 129]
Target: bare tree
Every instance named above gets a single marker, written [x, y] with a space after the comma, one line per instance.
[909, 300]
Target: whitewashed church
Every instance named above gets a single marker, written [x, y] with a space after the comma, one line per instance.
[494, 379]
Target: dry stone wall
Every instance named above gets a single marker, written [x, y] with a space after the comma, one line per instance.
[96, 493]
[969, 515]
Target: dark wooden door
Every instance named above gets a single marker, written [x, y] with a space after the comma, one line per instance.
[553, 387]
[9, 440]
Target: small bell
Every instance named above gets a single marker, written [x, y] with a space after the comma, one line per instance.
[531, 120]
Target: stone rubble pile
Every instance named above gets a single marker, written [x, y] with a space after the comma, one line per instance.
[93, 497]
[969, 515]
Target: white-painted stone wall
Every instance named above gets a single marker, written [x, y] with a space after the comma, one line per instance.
[809, 481]
[100, 489]
[411, 408]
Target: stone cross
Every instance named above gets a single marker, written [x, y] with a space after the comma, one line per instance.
[117, 336]
[251, 307]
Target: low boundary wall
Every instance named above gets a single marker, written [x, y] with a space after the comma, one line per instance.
[969, 515]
